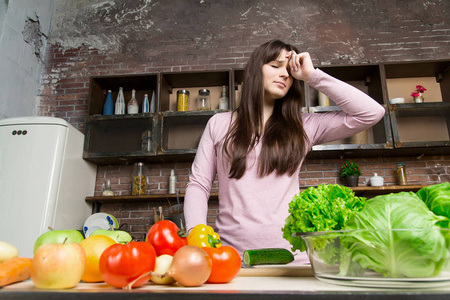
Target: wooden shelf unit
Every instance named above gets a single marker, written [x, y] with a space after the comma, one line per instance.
[175, 135]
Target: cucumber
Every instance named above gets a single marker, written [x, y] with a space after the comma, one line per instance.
[267, 256]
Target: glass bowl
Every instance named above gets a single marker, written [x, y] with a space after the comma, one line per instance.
[391, 258]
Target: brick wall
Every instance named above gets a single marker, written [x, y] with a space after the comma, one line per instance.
[146, 37]
[138, 216]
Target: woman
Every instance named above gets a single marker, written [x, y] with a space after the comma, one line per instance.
[257, 150]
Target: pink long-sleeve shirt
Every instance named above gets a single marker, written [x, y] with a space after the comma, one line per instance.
[253, 209]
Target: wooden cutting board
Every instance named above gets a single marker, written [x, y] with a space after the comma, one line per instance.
[289, 270]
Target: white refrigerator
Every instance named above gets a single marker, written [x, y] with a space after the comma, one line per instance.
[43, 179]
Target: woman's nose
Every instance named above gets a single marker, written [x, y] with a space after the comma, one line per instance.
[284, 72]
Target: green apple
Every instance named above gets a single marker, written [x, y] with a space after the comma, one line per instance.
[7, 251]
[120, 236]
[58, 236]
[58, 266]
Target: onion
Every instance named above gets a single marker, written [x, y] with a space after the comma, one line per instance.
[162, 266]
[191, 266]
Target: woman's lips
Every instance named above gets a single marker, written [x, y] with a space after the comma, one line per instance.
[280, 83]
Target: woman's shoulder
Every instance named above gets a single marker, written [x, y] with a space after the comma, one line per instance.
[219, 124]
[221, 119]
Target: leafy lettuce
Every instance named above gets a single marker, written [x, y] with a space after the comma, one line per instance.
[322, 208]
[402, 253]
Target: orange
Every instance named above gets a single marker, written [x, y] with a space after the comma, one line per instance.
[93, 247]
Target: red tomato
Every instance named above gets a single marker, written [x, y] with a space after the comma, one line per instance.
[121, 264]
[165, 237]
[226, 263]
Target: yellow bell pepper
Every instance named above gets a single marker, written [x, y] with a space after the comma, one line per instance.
[204, 236]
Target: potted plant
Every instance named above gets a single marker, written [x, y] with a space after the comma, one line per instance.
[350, 172]
[417, 94]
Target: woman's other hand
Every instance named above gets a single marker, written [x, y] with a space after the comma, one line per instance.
[301, 66]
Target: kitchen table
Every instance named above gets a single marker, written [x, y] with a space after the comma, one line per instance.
[276, 282]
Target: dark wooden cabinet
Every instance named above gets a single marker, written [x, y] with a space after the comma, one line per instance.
[406, 129]
[420, 125]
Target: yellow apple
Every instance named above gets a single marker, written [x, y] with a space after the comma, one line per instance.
[7, 251]
[58, 266]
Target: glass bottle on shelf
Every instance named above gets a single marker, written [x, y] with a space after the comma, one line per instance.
[138, 180]
[120, 103]
[108, 107]
[204, 101]
[401, 173]
[172, 182]
[152, 103]
[145, 104]
[133, 107]
[224, 101]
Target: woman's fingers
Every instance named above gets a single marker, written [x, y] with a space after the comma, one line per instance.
[301, 65]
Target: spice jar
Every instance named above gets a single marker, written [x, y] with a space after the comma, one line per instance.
[183, 100]
[203, 100]
[401, 173]
[138, 179]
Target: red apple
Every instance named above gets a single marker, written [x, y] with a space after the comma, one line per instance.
[58, 266]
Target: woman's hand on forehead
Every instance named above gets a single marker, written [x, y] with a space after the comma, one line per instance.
[300, 64]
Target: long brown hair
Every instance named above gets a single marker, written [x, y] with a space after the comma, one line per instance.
[283, 145]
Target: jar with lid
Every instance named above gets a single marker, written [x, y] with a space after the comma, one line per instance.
[107, 189]
[203, 100]
[138, 179]
[182, 100]
[401, 173]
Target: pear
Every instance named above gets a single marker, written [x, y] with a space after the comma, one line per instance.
[120, 236]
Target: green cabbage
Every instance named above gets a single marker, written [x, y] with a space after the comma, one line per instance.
[408, 253]
[437, 198]
[323, 208]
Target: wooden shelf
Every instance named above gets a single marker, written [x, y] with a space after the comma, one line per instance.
[372, 191]
[142, 198]
[164, 197]
[116, 139]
